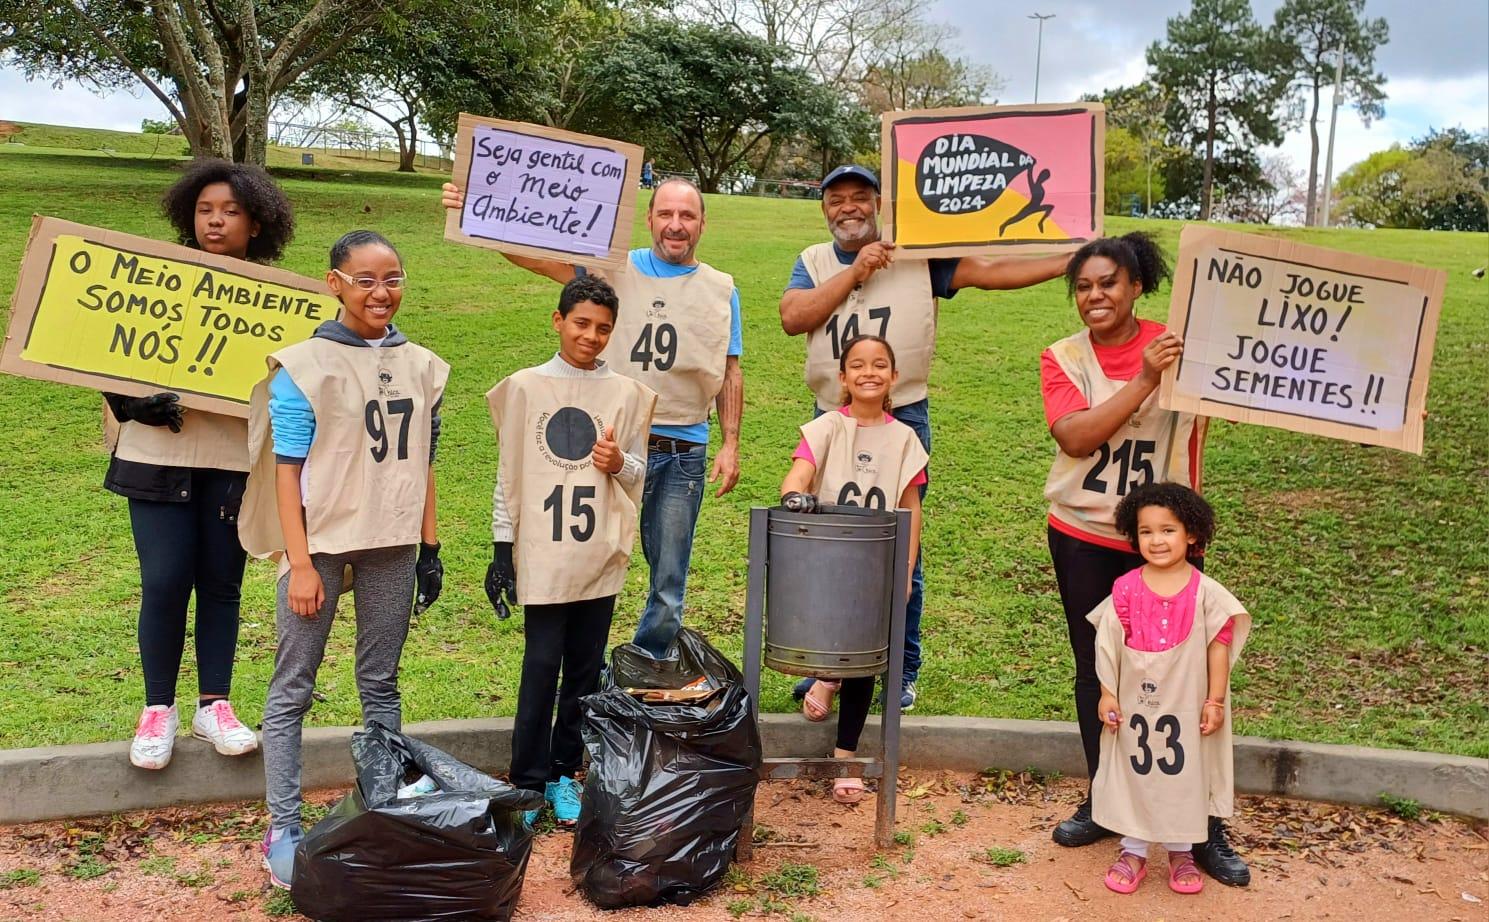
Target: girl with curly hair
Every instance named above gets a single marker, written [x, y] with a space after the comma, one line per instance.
[1100, 401]
[183, 472]
[1166, 640]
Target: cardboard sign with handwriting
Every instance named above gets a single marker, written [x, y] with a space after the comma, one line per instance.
[115, 312]
[536, 191]
[1300, 337]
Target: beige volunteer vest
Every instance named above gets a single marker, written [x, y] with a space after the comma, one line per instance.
[867, 466]
[673, 336]
[368, 469]
[1158, 778]
[206, 440]
[575, 524]
[1153, 445]
[895, 303]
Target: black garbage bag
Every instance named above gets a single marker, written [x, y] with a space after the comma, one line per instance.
[458, 853]
[669, 782]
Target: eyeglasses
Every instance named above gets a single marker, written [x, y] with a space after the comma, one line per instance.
[368, 283]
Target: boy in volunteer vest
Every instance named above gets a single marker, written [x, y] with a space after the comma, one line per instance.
[857, 455]
[572, 442]
[1166, 640]
[183, 473]
[681, 336]
[856, 284]
[342, 440]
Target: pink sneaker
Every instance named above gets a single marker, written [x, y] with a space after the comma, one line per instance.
[154, 737]
[217, 724]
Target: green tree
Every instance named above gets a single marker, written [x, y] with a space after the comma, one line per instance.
[1439, 182]
[1138, 113]
[713, 94]
[1307, 36]
[1223, 91]
[216, 67]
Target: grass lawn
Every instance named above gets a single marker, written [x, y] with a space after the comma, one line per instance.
[1366, 569]
[133, 145]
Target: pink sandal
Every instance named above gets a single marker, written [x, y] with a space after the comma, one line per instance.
[1126, 873]
[814, 708]
[847, 791]
[1181, 868]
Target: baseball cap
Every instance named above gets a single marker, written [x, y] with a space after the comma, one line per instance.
[853, 170]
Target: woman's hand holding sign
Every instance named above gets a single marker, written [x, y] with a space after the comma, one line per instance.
[1159, 354]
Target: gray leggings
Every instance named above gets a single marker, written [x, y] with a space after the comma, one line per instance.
[383, 588]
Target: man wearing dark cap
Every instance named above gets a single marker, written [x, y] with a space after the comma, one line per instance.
[852, 286]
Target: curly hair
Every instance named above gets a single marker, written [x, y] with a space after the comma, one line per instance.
[255, 190]
[1187, 506]
[1136, 252]
[848, 347]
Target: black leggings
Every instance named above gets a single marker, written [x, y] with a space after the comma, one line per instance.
[854, 699]
[184, 547]
[568, 637]
[1085, 573]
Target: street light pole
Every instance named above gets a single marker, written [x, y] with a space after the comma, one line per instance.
[1039, 48]
[1333, 123]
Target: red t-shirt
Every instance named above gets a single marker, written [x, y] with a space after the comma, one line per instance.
[1120, 363]
[1062, 397]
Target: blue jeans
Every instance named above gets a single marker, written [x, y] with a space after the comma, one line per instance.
[669, 512]
[917, 416]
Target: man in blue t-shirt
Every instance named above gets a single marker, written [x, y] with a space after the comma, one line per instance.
[854, 285]
[678, 332]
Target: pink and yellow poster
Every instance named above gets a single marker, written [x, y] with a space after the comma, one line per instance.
[958, 182]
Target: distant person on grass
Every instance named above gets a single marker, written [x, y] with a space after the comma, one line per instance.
[572, 435]
[864, 456]
[852, 285]
[1100, 401]
[679, 333]
[344, 434]
[183, 472]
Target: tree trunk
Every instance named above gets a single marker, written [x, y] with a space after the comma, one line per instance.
[1311, 207]
[1209, 177]
[408, 146]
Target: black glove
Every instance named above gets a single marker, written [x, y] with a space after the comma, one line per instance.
[429, 576]
[799, 502]
[155, 410]
[501, 579]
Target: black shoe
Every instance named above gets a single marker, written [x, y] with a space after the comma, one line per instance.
[1080, 829]
[1218, 859]
[800, 689]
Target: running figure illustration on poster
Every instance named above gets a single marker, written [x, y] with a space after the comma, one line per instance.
[1004, 179]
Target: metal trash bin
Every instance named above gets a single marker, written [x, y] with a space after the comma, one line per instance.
[830, 591]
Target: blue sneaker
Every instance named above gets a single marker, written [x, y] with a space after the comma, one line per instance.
[907, 696]
[279, 854]
[563, 794]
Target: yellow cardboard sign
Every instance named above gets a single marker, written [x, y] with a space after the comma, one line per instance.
[130, 315]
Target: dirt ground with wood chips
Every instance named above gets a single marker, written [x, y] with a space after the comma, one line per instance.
[970, 847]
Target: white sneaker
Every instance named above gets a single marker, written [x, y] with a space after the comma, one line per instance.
[217, 724]
[154, 737]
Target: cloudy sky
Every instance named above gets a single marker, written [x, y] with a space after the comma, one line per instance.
[1436, 65]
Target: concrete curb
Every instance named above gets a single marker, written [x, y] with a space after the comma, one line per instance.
[62, 781]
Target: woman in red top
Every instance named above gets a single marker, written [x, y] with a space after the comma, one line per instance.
[1100, 400]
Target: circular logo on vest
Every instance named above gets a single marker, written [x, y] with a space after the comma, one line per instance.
[570, 434]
